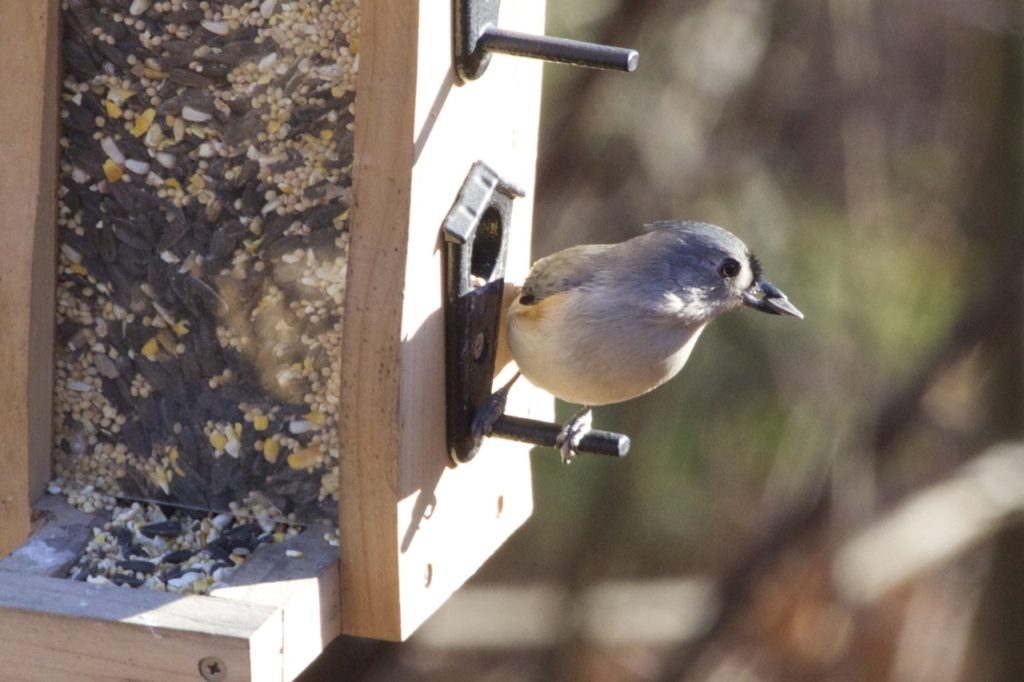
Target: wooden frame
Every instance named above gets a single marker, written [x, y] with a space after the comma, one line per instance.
[413, 528]
[28, 177]
[277, 614]
[272, 620]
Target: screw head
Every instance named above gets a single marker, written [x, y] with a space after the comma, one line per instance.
[213, 669]
[479, 343]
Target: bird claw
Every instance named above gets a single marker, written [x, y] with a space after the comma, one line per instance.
[487, 416]
[490, 412]
[573, 433]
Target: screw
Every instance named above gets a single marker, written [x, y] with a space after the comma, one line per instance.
[478, 345]
[213, 669]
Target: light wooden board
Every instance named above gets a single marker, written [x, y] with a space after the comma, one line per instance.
[55, 629]
[275, 616]
[60, 539]
[414, 529]
[306, 590]
[28, 155]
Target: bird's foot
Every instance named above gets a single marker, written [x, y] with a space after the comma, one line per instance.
[491, 411]
[573, 432]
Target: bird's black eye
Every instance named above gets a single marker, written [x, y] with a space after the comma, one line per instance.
[729, 268]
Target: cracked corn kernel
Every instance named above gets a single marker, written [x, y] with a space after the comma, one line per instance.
[304, 458]
[120, 95]
[173, 455]
[150, 348]
[260, 422]
[271, 449]
[112, 170]
[218, 440]
[143, 121]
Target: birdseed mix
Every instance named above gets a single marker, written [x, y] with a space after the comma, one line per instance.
[175, 551]
[204, 200]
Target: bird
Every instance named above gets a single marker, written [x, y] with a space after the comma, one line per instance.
[597, 324]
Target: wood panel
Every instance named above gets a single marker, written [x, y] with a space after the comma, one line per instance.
[413, 529]
[274, 615]
[28, 150]
[57, 629]
[306, 591]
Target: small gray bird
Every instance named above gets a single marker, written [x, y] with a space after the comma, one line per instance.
[603, 323]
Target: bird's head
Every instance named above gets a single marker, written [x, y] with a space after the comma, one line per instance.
[703, 271]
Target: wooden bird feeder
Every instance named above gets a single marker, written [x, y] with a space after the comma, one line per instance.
[170, 199]
[413, 527]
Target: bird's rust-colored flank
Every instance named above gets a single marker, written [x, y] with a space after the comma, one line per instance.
[541, 309]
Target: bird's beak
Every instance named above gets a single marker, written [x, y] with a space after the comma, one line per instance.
[767, 298]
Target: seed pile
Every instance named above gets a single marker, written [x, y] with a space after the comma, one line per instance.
[205, 180]
[185, 552]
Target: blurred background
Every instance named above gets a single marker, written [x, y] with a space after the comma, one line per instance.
[833, 499]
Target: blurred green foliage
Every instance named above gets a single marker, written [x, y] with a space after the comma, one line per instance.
[868, 151]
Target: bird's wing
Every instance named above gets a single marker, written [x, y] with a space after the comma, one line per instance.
[562, 271]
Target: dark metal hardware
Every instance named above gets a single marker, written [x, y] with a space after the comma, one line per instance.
[476, 243]
[477, 36]
[546, 434]
[476, 240]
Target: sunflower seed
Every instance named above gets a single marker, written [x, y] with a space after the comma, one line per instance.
[163, 529]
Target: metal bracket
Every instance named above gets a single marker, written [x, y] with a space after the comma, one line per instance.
[477, 36]
[476, 244]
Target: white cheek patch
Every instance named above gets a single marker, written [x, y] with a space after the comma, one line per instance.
[671, 303]
[693, 304]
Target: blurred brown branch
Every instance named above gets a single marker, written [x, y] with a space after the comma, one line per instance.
[563, 137]
[737, 584]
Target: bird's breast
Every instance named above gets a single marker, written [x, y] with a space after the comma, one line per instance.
[595, 355]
